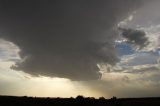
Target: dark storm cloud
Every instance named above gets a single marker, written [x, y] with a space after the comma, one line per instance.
[63, 38]
[134, 36]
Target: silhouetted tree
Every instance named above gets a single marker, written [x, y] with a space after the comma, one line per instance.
[79, 98]
[102, 98]
[114, 98]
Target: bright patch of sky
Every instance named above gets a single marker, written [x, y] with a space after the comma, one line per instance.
[8, 51]
[133, 57]
[146, 19]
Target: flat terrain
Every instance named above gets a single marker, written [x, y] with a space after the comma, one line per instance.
[78, 101]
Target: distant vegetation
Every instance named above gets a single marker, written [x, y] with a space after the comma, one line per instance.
[78, 101]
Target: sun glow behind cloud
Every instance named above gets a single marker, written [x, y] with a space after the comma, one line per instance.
[137, 73]
[22, 84]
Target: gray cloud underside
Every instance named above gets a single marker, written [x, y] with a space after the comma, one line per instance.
[134, 36]
[63, 38]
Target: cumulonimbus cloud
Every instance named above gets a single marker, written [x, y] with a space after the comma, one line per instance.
[63, 38]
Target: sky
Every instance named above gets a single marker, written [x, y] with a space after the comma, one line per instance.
[85, 47]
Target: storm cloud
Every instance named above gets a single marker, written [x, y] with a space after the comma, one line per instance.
[135, 36]
[64, 38]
